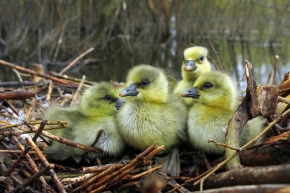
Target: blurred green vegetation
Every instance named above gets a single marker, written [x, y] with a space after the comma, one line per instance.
[129, 32]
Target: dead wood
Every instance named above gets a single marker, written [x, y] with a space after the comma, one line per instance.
[141, 158]
[274, 150]
[101, 168]
[13, 66]
[258, 101]
[69, 142]
[15, 164]
[265, 188]
[16, 95]
[247, 176]
[30, 180]
[18, 84]
[12, 107]
[46, 164]
[220, 67]
[76, 80]
[275, 69]
[284, 87]
[76, 60]
[32, 163]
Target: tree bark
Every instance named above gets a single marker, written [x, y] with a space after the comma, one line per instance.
[248, 176]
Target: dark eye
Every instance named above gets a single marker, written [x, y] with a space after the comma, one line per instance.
[145, 82]
[207, 85]
[201, 58]
[107, 97]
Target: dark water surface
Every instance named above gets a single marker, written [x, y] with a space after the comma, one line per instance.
[114, 62]
[118, 61]
[125, 33]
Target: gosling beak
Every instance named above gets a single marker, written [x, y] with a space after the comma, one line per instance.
[193, 93]
[131, 90]
[119, 103]
[190, 65]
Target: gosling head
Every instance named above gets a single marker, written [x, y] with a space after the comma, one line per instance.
[100, 99]
[214, 89]
[194, 62]
[146, 83]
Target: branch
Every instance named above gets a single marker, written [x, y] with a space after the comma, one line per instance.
[13, 66]
[258, 101]
[75, 60]
[247, 176]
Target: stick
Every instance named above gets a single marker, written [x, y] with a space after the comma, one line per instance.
[75, 60]
[216, 53]
[30, 180]
[46, 164]
[13, 66]
[78, 90]
[275, 69]
[11, 169]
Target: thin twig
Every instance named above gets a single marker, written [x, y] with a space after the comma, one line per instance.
[94, 169]
[218, 166]
[275, 69]
[75, 60]
[217, 55]
[34, 177]
[13, 151]
[39, 130]
[31, 162]
[46, 164]
[146, 172]
[212, 61]
[71, 181]
[142, 157]
[189, 181]
[35, 123]
[66, 77]
[95, 178]
[269, 77]
[25, 122]
[222, 144]
[284, 100]
[265, 130]
[78, 91]
[69, 142]
[18, 75]
[15, 164]
[13, 66]
[39, 46]
[49, 90]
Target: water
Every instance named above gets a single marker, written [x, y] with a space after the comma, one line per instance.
[117, 59]
[239, 30]
[169, 56]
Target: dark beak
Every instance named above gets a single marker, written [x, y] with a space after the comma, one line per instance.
[119, 103]
[190, 65]
[131, 90]
[193, 93]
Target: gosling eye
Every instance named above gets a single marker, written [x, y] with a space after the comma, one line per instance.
[207, 85]
[145, 82]
[201, 58]
[107, 97]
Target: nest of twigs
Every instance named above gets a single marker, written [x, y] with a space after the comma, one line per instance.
[24, 168]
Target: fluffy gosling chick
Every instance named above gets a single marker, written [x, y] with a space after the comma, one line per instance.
[95, 112]
[150, 115]
[194, 64]
[214, 102]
